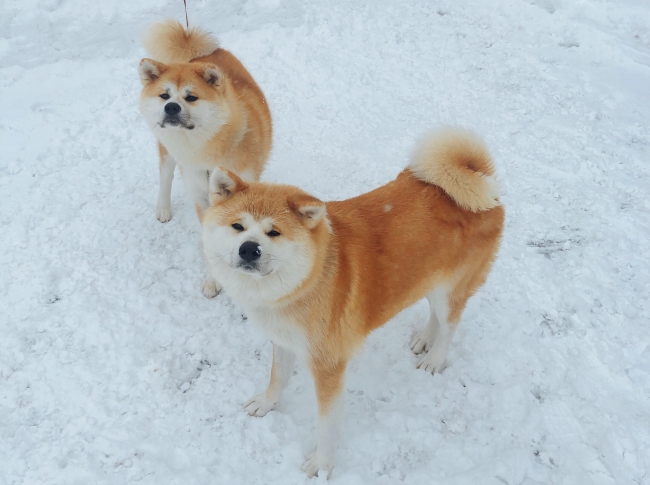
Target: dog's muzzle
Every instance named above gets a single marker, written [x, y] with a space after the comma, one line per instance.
[174, 116]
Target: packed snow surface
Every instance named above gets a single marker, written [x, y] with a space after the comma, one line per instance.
[114, 368]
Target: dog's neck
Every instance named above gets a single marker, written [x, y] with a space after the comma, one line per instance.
[232, 132]
[301, 305]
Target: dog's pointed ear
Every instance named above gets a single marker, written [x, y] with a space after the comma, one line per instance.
[224, 184]
[211, 74]
[310, 210]
[150, 70]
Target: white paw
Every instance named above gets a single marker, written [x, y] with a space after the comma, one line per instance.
[211, 288]
[316, 462]
[259, 405]
[422, 341]
[163, 212]
[432, 362]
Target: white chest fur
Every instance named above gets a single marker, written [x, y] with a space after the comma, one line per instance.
[185, 146]
[279, 330]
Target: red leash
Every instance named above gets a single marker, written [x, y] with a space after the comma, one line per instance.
[187, 22]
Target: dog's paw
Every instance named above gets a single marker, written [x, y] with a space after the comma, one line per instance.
[259, 405]
[317, 462]
[211, 288]
[432, 362]
[163, 213]
[422, 341]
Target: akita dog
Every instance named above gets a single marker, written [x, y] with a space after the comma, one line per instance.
[318, 277]
[205, 110]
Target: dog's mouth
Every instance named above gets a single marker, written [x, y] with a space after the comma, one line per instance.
[252, 269]
[177, 122]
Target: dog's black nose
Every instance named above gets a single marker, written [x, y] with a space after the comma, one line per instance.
[172, 109]
[250, 251]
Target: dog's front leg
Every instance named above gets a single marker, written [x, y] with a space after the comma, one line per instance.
[211, 287]
[329, 381]
[164, 204]
[281, 370]
[196, 182]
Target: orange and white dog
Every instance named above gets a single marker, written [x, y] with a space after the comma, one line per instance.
[206, 110]
[318, 277]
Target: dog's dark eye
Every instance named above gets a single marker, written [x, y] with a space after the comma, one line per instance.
[164, 96]
[191, 98]
[273, 233]
[237, 227]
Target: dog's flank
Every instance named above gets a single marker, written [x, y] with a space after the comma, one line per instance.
[330, 273]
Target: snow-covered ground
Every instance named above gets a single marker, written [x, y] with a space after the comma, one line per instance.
[115, 369]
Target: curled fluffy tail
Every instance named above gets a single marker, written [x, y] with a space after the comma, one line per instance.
[169, 42]
[457, 161]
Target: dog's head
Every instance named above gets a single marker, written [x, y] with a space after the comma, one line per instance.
[183, 97]
[262, 241]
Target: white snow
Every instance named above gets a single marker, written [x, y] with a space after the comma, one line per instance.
[114, 368]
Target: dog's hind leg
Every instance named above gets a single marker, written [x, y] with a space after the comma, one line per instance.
[449, 304]
[281, 370]
[423, 340]
[440, 330]
[167, 166]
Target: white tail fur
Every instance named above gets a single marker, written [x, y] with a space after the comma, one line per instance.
[457, 161]
[169, 42]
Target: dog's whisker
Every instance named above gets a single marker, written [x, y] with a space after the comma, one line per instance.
[216, 257]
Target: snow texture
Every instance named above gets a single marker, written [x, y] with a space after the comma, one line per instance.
[115, 369]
